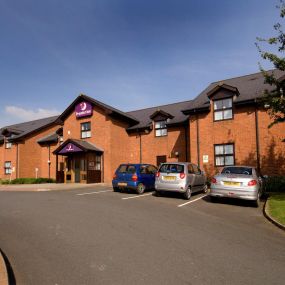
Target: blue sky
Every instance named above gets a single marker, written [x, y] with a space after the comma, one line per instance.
[130, 54]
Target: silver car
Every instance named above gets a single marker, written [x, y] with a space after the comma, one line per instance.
[183, 177]
[242, 182]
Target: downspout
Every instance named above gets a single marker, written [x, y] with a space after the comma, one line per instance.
[140, 138]
[186, 140]
[257, 138]
[198, 140]
[49, 161]
[17, 160]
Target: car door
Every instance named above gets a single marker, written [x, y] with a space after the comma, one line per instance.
[199, 178]
[151, 170]
[191, 177]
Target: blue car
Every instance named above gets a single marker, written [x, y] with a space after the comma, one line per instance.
[138, 177]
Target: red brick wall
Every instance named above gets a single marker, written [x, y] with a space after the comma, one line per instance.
[240, 131]
[120, 147]
[32, 155]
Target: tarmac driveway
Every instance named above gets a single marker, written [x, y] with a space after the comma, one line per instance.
[96, 236]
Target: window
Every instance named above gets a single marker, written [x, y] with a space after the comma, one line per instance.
[237, 170]
[160, 129]
[7, 167]
[8, 145]
[98, 162]
[86, 130]
[224, 154]
[223, 109]
[172, 168]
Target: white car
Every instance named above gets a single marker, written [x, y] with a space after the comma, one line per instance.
[242, 182]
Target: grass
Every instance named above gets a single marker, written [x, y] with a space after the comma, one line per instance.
[276, 204]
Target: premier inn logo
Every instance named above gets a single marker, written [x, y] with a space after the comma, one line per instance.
[83, 109]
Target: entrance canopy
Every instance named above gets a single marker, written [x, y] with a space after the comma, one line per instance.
[71, 146]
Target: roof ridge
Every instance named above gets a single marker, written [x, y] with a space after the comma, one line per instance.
[160, 106]
[242, 76]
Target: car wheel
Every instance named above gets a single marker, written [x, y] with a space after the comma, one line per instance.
[140, 188]
[214, 199]
[115, 189]
[257, 202]
[205, 189]
[187, 194]
[157, 193]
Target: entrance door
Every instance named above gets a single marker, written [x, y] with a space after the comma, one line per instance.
[77, 170]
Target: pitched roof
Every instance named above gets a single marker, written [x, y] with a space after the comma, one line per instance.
[111, 111]
[23, 129]
[50, 138]
[83, 145]
[143, 115]
[250, 87]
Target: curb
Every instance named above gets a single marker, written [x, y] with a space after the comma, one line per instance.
[3, 271]
[272, 220]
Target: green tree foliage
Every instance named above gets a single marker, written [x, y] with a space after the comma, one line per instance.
[274, 99]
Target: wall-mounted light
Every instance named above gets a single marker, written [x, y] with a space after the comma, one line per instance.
[176, 153]
[146, 131]
[49, 162]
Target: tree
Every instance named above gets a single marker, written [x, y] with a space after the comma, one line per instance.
[274, 100]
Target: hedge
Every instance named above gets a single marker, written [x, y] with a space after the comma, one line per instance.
[275, 184]
[28, 181]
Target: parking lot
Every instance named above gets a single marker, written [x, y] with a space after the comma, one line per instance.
[97, 236]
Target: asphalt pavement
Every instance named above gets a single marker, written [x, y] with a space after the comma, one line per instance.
[95, 236]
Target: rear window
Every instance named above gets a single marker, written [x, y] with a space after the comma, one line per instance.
[127, 169]
[172, 168]
[237, 170]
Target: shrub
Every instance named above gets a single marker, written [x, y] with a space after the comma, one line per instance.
[275, 184]
[28, 181]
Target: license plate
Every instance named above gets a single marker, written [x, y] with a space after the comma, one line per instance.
[231, 183]
[122, 184]
[169, 178]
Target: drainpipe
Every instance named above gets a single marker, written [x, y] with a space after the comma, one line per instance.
[198, 140]
[49, 162]
[140, 137]
[257, 138]
[186, 127]
[17, 160]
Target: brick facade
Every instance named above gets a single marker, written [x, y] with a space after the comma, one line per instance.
[130, 137]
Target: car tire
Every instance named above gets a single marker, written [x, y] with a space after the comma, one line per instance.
[187, 195]
[205, 189]
[140, 188]
[157, 193]
[214, 199]
[257, 202]
[116, 189]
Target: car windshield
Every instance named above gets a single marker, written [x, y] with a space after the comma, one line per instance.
[172, 168]
[127, 169]
[237, 170]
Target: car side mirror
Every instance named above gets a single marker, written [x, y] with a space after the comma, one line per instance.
[265, 176]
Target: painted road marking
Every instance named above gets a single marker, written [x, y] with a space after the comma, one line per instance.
[137, 196]
[90, 193]
[43, 189]
[192, 201]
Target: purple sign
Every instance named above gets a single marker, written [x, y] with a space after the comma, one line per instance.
[69, 148]
[83, 109]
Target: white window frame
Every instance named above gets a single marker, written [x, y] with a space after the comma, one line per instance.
[160, 128]
[224, 109]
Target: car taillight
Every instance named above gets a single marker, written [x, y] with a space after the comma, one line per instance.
[157, 174]
[115, 176]
[252, 183]
[214, 180]
[182, 175]
[134, 178]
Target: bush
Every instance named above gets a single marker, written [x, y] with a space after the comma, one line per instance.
[275, 184]
[28, 181]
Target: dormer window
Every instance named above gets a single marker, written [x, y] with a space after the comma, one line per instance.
[223, 109]
[160, 128]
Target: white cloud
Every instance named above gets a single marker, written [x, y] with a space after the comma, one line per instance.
[29, 115]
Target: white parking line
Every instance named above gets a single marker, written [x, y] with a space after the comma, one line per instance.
[137, 196]
[181, 205]
[43, 189]
[89, 193]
